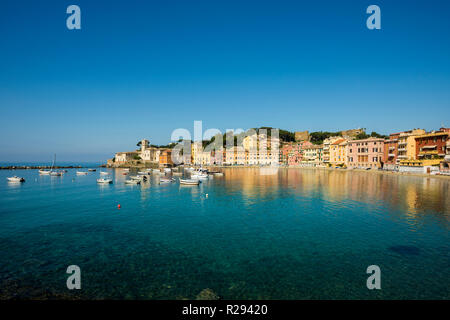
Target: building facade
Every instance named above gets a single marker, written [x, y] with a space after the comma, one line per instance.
[338, 153]
[391, 152]
[365, 153]
[407, 144]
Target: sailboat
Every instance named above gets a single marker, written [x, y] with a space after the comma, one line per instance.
[51, 172]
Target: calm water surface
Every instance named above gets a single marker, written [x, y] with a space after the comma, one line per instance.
[295, 234]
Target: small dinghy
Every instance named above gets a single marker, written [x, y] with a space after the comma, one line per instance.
[82, 173]
[44, 172]
[16, 179]
[104, 181]
[189, 181]
[104, 173]
[164, 180]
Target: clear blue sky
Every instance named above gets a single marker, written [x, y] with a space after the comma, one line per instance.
[140, 69]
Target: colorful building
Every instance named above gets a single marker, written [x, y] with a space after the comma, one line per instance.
[292, 153]
[432, 146]
[365, 153]
[407, 144]
[326, 149]
[391, 152]
[312, 155]
[165, 158]
[338, 153]
[235, 156]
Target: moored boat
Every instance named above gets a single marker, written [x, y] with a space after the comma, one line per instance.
[189, 181]
[44, 172]
[132, 181]
[81, 173]
[104, 173]
[16, 179]
[104, 181]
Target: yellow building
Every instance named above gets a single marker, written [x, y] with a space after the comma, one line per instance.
[326, 148]
[196, 152]
[235, 156]
[407, 144]
[338, 152]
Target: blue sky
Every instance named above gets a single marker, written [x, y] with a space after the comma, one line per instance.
[140, 69]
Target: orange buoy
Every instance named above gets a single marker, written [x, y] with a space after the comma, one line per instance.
[119, 206]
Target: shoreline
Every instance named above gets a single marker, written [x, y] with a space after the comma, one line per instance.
[407, 174]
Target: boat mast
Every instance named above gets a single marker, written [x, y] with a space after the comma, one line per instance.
[54, 160]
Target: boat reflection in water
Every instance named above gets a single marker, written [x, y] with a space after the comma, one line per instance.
[262, 233]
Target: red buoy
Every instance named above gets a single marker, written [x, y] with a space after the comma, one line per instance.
[118, 206]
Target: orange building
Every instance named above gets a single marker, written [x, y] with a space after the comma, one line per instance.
[165, 158]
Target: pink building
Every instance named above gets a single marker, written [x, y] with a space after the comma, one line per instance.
[365, 153]
[292, 153]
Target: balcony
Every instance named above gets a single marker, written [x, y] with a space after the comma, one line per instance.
[391, 155]
[401, 149]
[426, 148]
[402, 157]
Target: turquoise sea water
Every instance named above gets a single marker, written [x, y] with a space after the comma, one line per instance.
[291, 234]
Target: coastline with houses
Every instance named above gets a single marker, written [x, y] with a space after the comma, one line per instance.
[415, 152]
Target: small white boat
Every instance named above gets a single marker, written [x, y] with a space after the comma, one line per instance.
[189, 181]
[132, 181]
[81, 173]
[16, 179]
[104, 173]
[55, 173]
[104, 181]
[163, 180]
[138, 178]
[44, 172]
[200, 176]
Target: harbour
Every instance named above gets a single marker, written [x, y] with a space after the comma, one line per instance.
[295, 234]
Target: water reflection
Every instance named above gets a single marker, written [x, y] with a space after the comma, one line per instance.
[415, 197]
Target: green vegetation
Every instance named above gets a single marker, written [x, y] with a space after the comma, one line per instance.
[373, 134]
[318, 136]
[284, 135]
